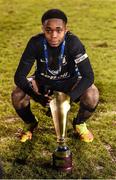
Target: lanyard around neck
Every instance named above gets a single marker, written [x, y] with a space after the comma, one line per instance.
[60, 58]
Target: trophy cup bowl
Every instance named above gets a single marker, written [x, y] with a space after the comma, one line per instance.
[62, 156]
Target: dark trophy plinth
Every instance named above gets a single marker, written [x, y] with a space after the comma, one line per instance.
[62, 156]
[62, 159]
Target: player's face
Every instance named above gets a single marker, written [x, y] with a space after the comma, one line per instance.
[54, 30]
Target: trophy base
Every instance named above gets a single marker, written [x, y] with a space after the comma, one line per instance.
[62, 159]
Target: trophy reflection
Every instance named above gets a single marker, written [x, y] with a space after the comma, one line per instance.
[60, 105]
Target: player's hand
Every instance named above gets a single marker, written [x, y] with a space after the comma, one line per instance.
[44, 100]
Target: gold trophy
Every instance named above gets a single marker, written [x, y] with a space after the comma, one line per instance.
[60, 105]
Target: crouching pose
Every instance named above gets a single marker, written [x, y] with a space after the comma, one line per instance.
[62, 65]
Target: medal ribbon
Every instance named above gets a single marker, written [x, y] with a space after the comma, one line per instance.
[60, 58]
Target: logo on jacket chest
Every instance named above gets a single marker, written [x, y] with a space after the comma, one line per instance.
[64, 62]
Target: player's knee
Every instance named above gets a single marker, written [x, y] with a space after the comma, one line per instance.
[91, 97]
[16, 96]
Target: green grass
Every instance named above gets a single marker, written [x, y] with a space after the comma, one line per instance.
[94, 22]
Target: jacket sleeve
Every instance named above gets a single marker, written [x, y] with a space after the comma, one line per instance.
[85, 82]
[82, 63]
[26, 62]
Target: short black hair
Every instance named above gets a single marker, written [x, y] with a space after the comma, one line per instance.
[54, 13]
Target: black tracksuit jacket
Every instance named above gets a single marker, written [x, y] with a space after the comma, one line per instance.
[76, 74]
